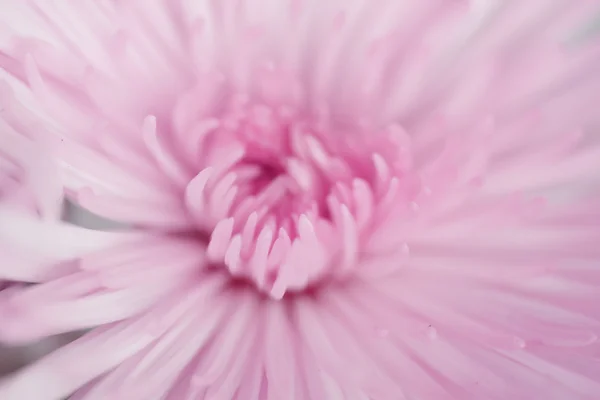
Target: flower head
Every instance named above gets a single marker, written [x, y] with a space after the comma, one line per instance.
[357, 200]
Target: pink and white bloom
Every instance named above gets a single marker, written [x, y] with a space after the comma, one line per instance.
[366, 200]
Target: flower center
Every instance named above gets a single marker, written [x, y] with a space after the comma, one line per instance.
[287, 207]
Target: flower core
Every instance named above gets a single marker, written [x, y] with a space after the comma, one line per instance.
[287, 203]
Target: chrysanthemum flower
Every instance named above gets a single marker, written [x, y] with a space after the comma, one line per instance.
[384, 200]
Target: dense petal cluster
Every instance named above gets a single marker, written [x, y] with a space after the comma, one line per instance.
[362, 200]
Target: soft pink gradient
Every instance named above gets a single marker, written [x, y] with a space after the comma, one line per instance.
[390, 200]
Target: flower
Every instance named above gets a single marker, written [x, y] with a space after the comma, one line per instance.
[321, 200]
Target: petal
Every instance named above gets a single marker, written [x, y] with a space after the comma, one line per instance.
[19, 266]
[55, 240]
[41, 173]
[98, 296]
[164, 214]
[59, 374]
[153, 371]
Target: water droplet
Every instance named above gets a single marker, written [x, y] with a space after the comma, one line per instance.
[414, 206]
[432, 332]
[519, 343]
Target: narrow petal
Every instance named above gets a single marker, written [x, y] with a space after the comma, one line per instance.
[56, 240]
[98, 296]
[59, 374]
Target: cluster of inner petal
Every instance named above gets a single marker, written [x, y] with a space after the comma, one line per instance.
[286, 204]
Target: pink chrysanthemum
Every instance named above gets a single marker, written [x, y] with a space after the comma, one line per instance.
[366, 200]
